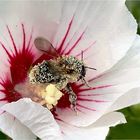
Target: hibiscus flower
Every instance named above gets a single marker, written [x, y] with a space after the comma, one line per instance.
[104, 31]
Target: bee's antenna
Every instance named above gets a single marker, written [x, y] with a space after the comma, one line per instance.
[90, 68]
[82, 55]
[86, 83]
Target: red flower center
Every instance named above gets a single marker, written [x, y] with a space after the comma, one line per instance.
[20, 62]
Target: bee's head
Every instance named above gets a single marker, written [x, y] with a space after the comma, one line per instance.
[72, 67]
[83, 72]
[77, 71]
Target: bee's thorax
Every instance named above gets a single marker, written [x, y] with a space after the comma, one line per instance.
[62, 69]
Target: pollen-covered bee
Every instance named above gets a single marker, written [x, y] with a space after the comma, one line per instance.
[60, 71]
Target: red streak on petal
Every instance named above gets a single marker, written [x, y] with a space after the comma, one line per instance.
[87, 108]
[13, 42]
[59, 119]
[64, 101]
[20, 61]
[91, 100]
[20, 65]
[2, 112]
[8, 89]
[68, 44]
[80, 95]
[94, 88]
[24, 38]
[30, 38]
[63, 51]
[85, 50]
[77, 41]
[79, 109]
[9, 55]
[67, 32]
[95, 78]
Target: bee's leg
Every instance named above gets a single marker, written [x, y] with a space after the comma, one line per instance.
[86, 83]
[72, 96]
[62, 83]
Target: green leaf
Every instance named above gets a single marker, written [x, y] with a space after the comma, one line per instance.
[2, 136]
[130, 130]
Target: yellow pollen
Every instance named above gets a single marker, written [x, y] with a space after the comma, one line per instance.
[51, 95]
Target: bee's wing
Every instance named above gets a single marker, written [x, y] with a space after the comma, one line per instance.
[45, 46]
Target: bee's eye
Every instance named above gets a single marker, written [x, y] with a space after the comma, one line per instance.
[70, 71]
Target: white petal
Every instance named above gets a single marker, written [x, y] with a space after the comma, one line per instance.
[130, 61]
[90, 134]
[106, 24]
[37, 118]
[14, 129]
[96, 131]
[1, 93]
[95, 103]
[40, 14]
[129, 98]
[114, 85]
[110, 119]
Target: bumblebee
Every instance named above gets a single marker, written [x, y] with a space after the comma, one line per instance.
[60, 71]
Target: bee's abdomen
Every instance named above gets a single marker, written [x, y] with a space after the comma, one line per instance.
[44, 74]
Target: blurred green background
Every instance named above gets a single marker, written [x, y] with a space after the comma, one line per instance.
[130, 130]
